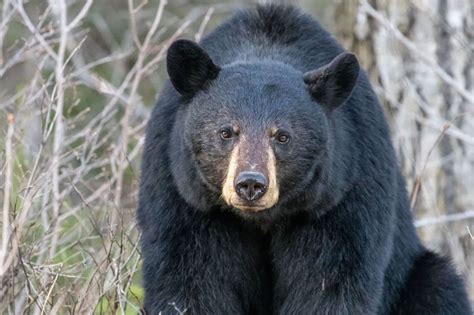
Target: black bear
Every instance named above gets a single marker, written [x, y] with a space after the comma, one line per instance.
[270, 185]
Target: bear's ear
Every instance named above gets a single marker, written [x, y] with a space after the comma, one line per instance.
[332, 84]
[189, 67]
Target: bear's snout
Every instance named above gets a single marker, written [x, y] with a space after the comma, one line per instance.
[251, 186]
[251, 180]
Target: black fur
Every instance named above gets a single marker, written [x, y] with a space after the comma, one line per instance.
[341, 238]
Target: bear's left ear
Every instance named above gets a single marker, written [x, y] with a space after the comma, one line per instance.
[332, 84]
[189, 67]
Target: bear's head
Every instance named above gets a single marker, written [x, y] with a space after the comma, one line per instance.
[255, 132]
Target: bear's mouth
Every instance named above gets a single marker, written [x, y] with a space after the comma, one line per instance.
[252, 208]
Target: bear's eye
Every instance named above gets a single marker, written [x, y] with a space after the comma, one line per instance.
[282, 138]
[226, 134]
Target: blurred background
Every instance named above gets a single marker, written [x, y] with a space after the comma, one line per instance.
[78, 79]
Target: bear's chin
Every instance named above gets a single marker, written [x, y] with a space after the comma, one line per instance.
[261, 217]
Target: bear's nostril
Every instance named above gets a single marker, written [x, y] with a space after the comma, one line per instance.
[243, 190]
[251, 185]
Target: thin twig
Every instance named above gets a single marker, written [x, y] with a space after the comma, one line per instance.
[203, 25]
[445, 218]
[80, 15]
[418, 179]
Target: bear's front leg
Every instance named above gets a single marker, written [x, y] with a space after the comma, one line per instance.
[204, 264]
[330, 265]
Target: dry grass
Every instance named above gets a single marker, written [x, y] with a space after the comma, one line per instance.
[77, 79]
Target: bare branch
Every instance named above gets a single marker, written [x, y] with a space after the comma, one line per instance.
[59, 119]
[6, 192]
[445, 218]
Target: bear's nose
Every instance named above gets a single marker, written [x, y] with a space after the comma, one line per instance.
[251, 185]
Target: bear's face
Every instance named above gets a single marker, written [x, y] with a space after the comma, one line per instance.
[256, 134]
[256, 130]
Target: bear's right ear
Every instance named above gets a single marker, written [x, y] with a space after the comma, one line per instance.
[189, 67]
